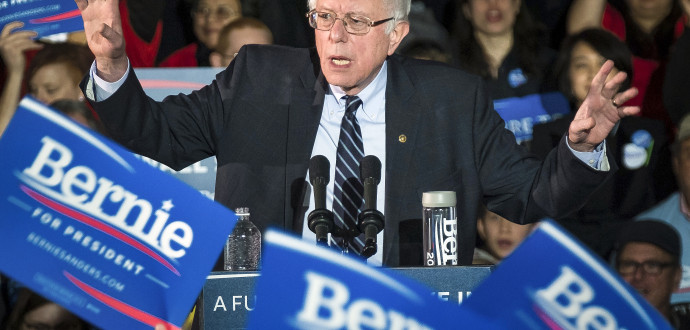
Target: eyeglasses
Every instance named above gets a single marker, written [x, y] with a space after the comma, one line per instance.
[354, 24]
[649, 267]
[220, 13]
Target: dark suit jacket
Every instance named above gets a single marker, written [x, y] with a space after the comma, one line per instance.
[632, 189]
[260, 117]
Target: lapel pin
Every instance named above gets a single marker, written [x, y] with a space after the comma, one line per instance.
[402, 138]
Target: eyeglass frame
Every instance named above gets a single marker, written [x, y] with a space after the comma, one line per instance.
[206, 12]
[312, 18]
[645, 267]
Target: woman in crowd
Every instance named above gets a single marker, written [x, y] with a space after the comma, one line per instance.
[499, 41]
[54, 72]
[649, 28]
[208, 18]
[638, 144]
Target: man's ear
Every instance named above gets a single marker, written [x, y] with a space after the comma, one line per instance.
[215, 59]
[402, 28]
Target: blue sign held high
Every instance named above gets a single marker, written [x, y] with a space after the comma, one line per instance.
[121, 244]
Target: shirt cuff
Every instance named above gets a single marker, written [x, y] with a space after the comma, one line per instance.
[595, 159]
[98, 89]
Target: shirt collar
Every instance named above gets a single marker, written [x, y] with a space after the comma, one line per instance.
[371, 95]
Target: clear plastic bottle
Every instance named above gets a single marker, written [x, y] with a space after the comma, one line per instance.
[243, 248]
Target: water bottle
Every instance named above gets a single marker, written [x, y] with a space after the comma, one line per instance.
[440, 228]
[243, 248]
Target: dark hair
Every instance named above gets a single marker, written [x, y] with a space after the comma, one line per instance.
[604, 43]
[74, 107]
[657, 44]
[529, 38]
[78, 57]
[28, 301]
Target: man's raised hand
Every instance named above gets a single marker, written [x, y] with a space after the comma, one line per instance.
[601, 109]
[103, 30]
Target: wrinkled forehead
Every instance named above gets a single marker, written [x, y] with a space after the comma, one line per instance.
[368, 7]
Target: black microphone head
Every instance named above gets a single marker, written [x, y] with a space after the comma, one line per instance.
[319, 166]
[370, 167]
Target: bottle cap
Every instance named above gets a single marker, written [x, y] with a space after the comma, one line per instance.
[438, 199]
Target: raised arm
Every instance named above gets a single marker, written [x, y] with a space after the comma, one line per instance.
[12, 47]
[103, 30]
[601, 109]
[584, 14]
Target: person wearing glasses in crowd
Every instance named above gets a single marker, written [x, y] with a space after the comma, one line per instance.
[432, 126]
[648, 258]
[208, 18]
[674, 210]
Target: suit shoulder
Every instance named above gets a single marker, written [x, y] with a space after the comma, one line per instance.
[426, 70]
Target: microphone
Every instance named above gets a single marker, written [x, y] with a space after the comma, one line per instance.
[320, 220]
[370, 220]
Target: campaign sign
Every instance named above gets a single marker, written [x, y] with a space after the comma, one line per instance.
[304, 286]
[522, 113]
[46, 17]
[552, 282]
[87, 225]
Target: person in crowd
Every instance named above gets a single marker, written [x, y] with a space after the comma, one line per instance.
[79, 112]
[499, 41]
[638, 144]
[649, 28]
[208, 18]
[427, 39]
[32, 311]
[674, 209]
[499, 237]
[431, 125]
[240, 32]
[676, 86]
[53, 73]
[13, 44]
[648, 258]
[426, 50]
[285, 19]
[146, 22]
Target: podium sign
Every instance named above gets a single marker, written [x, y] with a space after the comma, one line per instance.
[228, 297]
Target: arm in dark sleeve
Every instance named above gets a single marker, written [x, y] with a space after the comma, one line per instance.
[516, 185]
[177, 132]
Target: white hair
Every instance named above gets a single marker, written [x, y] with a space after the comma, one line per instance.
[398, 9]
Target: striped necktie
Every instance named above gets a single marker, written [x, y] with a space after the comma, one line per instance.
[348, 193]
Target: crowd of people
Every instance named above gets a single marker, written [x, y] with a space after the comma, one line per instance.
[519, 54]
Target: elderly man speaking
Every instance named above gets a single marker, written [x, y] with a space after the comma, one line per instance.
[432, 126]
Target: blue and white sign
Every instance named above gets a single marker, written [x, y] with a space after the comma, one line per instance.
[552, 282]
[88, 225]
[522, 113]
[304, 286]
[46, 17]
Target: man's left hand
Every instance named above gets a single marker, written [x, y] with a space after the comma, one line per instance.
[601, 110]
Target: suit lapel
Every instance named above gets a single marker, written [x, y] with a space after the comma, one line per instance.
[402, 115]
[305, 108]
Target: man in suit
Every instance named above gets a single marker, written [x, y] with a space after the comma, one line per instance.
[432, 126]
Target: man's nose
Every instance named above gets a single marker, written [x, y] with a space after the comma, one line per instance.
[338, 32]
